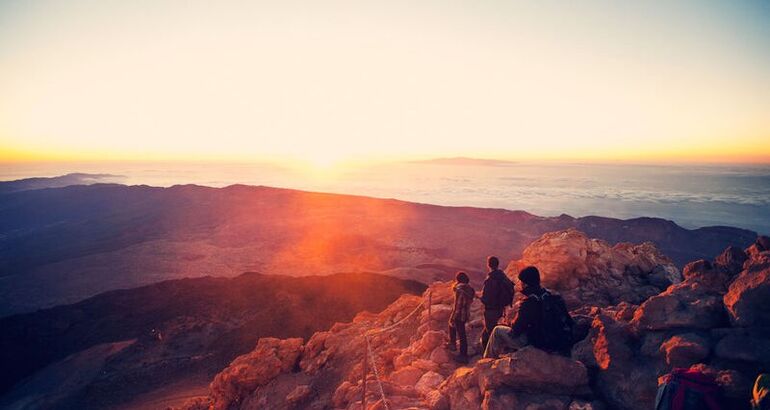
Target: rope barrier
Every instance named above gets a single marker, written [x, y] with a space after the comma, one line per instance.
[376, 373]
[369, 354]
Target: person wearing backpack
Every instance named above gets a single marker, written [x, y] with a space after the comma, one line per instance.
[496, 295]
[541, 320]
[688, 389]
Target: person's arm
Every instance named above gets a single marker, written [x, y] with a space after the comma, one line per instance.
[523, 318]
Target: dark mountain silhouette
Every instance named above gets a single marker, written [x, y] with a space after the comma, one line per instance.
[64, 244]
[56, 182]
[125, 343]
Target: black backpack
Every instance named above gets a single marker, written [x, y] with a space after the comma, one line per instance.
[556, 325]
[506, 291]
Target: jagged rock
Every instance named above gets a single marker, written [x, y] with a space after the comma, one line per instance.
[762, 244]
[590, 271]
[622, 380]
[624, 347]
[461, 389]
[586, 405]
[685, 349]
[694, 303]
[748, 298]
[607, 342]
[429, 342]
[271, 357]
[651, 342]
[731, 260]
[299, 394]
[504, 399]
[440, 356]
[427, 365]
[533, 370]
[407, 376]
[429, 382]
[745, 346]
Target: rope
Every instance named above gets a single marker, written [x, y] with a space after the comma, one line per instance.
[373, 332]
[370, 353]
[376, 373]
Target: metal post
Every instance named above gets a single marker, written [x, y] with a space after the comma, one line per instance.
[363, 378]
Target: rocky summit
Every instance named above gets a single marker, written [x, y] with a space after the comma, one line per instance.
[712, 316]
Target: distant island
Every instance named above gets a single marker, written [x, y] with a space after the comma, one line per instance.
[466, 161]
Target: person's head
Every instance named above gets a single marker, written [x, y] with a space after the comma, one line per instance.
[462, 277]
[530, 276]
[493, 262]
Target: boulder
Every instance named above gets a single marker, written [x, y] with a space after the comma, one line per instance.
[744, 346]
[533, 370]
[685, 349]
[504, 399]
[299, 394]
[731, 260]
[748, 298]
[461, 390]
[270, 358]
[624, 381]
[695, 303]
[590, 271]
[429, 382]
[407, 376]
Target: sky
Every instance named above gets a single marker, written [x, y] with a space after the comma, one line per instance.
[326, 82]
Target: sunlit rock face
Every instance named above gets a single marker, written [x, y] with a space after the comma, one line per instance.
[711, 319]
[590, 271]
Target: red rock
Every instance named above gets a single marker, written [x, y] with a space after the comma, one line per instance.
[532, 370]
[685, 350]
[270, 358]
[731, 260]
[748, 298]
[590, 271]
[407, 376]
[429, 382]
[505, 400]
[299, 394]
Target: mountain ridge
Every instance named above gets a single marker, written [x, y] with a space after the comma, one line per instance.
[54, 242]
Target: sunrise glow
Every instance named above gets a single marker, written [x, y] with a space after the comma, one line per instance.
[324, 84]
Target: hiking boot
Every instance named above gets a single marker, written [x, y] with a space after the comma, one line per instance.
[452, 347]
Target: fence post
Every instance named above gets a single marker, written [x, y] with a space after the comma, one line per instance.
[430, 306]
[363, 378]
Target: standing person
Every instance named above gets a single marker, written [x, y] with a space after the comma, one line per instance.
[496, 295]
[464, 295]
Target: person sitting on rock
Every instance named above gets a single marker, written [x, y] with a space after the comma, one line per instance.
[541, 320]
[464, 295]
[496, 295]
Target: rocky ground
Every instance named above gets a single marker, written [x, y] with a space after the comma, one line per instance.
[637, 317]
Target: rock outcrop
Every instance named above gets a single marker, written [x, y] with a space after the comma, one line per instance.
[712, 320]
[591, 271]
[715, 320]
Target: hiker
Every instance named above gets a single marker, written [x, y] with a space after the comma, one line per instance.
[541, 320]
[496, 295]
[464, 295]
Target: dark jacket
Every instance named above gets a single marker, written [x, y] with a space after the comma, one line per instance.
[492, 291]
[529, 316]
[461, 310]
